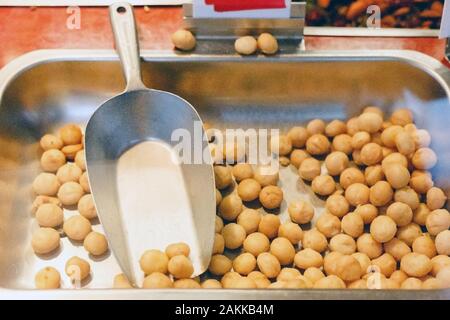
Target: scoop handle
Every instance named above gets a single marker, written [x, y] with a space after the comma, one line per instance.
[127, 45]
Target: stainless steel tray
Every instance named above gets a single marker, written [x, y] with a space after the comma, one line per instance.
[43, 89]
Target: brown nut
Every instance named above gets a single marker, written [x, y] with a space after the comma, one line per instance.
[298, 136]
[323, 185]
[381, 193]
[336, 162]
[271, 197]
[183, 40]
[401, 213]
[351, 176]
[301, 211]
[357, 194]
[317, 144]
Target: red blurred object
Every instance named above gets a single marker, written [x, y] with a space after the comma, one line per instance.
[237, 5]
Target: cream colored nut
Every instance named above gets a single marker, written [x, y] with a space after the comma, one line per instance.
[315, 240]
[353, 224]
[439, 262]
[422, 138]
[383, 229]
[301, 212]
[70, 193]
[309, 169]
[313, 274]
[335, 128]
[249, 189]
[219, 244]
[357, 194]
[420, 214]
[386, 264]
[77, 269]
[407, 196]
[40, 200]
[230, 207]
[218, 224]
[70, 134]
[211, 284]
[336, 162]
[409, 233]
[442, 242]
[271, 197]
[416, 264]
[233, 235]
[77, 227]
[186, 284]
[364, 262]
[357, 284]
[180, 267]
[86, 207]
[352, 126]
[323, 185]
[368, 212]
[291, 231]
[370, 122]
[283, 250]
[218, 197]
[52, 160]
[389, 134]
[373, 174]
[343, 243]
[50, 141]
[157, 280]
[444, 277]
[436, 198]
[381, 193]
[400, 212]
[80, 160]
[297, 157]
[337, 205]
[84, 182]
[371, 154]
[49, 215]
[183, 40]
[411, 284]
[421, 183]
[343, 143]
[329, 262]
[244, 263]
[351, 176]
[424, 159]
[71, 151]
[373, 109]
[249, 219]
[317, 144]
[368, 245]
[281, 146]
[256, 243]
[348, 268]
[396, 248]
[246, 45]
[219, 265]
[228, 279]
[328, 224]
[437, 221]
[95, 243]
[330, 282]
[69, 172]
[242, 171]
[308, 258]
[223, 178]
[266, 176]
[153, 261]
[424, 245]
[394, 158]
[298, 136]
[398, 276]
[268, 264]
[287, 274]
[402, 117]
[47, 278]
[431, 284]
[45, 240]
[267, 43]
[269, 225]
[316, 126]
[405, 143]
[397, 175]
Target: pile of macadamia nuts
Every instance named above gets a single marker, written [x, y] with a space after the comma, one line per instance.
[63, 184]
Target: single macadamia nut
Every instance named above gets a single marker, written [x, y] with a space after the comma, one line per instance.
[186, 284]
[343, 243]
[383, 228]
[315, 240]
[157, 280]
[211, 284]
[416, 264]
[357, 194]
[271, 197]
[234, 235]
[353, 224]
[77, 269]
[266, 176]
[222, 175]
[84, 182]
[219, 265]
[323, 185]
[351, 176]
[70, 193]
[50, 141]
[154, 261]
[442, 242]
[283, 250]
[256, 243]
[348, 268]
[381, 193]
[291, 231]
[249, 189]
[397, 175]
[401, 213]
[45, 240]
[368, 245]
[374, 174]
[367, 212]
[336, 162]
[436, 198]
[69, 172]
[268, 264]
[301, 212]
[402, 117]
[46, 184]
[86, 207]
[308, 258]
[360, 139]
[309, 169]
[337, 205]
[370, 122]
[242, 171]
[328, 224]
[424, 159]
[244, 263]
[371, 154]
[396, 248]
[343, 143]
[281, 145]
[424, 245]
[95, 243]
[386, 264]
[71, 134]
[409, 233]
[180, 267]
[438, 221]
[230, 207]
[269, 225]
[77, 227]
[52, 160]
[315, 126]
[335, 128]
[298, 136]
[298, 156]
[47, 278]
[246, 45]
[49, 215]
[219, 244]
[183, 40]
[317, 144]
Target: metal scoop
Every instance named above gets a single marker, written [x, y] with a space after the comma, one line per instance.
[144, 197]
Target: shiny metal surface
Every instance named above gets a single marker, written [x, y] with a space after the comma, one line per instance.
[148, 213]
[44, 89]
